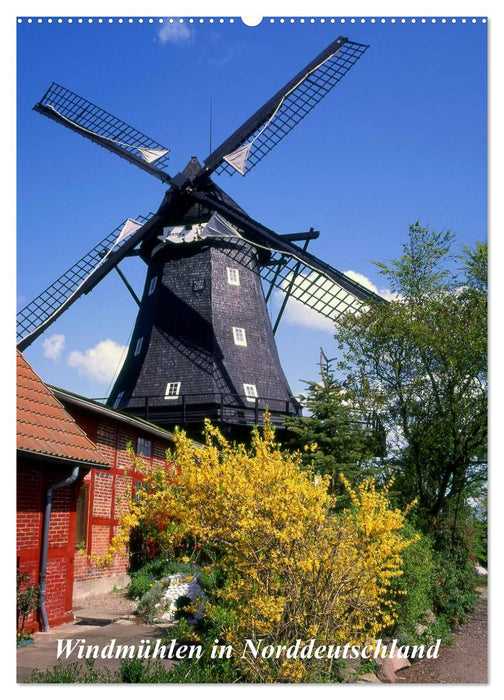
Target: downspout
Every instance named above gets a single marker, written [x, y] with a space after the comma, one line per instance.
[45, 541]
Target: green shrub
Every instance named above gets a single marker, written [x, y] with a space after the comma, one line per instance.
[138, 671]
[151, 598]
[72, 673]
[455, 576]
[130, 671]
[418, 582]
[143, 579]
[205, 670]
[27, 600]
[211, 578]
[454, 590]
[439, 579]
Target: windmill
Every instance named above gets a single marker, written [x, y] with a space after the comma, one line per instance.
[203, 344]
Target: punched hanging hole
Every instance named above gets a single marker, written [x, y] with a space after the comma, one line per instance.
[251, 21]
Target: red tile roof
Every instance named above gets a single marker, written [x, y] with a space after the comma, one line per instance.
[43, 425]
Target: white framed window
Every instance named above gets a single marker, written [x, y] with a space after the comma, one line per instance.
[144, 447]
[239, 336]
[138, 346]
[118, 399]
[250, 391]
[172, 390]
[152, 285]
[233, 276]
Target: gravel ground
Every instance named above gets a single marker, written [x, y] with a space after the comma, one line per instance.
[109, 602]
[464, 661]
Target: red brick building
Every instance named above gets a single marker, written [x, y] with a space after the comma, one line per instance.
[103, 492]
[52, 453]
[74, 474]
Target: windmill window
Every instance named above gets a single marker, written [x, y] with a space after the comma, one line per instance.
[198, 285]
[250, 391]
[233, 276]
[172, 390]
[138, 346]
[239, 336]
[144, 447]
[152, 285]
[118, 399]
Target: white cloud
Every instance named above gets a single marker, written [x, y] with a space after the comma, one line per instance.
[389, 295]
[366, 282]
[361, 279]
[53, 346]
[384, 292]
[100, 363]
[175, 32]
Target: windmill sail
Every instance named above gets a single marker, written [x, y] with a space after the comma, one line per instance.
[270, 124]
[94, 123]
[36, 316]
[310, 280]
[317, 285]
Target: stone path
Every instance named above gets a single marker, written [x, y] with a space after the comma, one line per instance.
[99, 619]
[464, 661]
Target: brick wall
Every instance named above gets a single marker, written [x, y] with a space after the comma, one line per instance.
[34, 477]
[109, 491]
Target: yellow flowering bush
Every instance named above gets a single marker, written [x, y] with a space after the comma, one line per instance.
[293, 568]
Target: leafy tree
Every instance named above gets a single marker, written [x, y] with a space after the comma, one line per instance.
[337, 436]
[421, 362]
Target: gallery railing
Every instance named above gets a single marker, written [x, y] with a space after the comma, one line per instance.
[218, 406]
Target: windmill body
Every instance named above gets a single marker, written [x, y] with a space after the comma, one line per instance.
[203, 344]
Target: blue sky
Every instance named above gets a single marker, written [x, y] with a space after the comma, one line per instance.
[402, 138]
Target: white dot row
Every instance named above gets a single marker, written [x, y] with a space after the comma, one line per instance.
[273, 20]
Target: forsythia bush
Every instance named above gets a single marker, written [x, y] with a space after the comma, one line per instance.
[293, 569]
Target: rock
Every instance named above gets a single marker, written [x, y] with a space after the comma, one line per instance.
[389, 667]
[480, 571]
[180, 586]
[369, 678]
[353, 664]
[420, 629]
[429, 617]
[386, 671]
[398, 664]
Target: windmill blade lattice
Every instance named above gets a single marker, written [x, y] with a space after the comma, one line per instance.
[326, 290]
[93, 122]
[293, 270]
[262, 132]
[43, 310]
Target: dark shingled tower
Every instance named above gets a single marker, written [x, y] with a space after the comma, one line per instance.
[203, 344]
